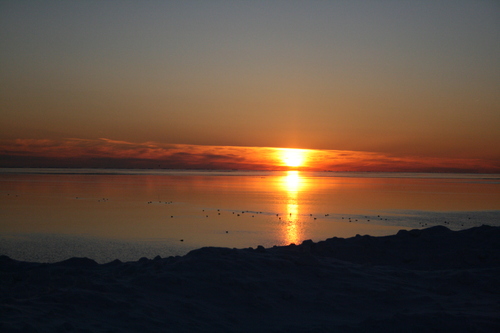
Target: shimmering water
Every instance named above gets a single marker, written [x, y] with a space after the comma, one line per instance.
[54, 214]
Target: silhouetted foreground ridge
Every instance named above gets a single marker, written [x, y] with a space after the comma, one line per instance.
[431, 280]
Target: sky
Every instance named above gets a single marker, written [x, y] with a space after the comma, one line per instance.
[358, 85]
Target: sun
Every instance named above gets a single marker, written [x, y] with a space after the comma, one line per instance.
[293, 158]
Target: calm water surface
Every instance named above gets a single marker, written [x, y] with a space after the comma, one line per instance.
[51, 215]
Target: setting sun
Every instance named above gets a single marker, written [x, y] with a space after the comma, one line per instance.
[293, 157]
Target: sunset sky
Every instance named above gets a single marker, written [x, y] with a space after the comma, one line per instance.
[360, 85]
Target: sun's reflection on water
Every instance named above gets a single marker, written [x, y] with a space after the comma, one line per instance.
[292, 185]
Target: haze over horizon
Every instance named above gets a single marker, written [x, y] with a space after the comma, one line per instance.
[385, 85]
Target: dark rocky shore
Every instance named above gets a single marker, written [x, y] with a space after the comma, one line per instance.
[431, 280]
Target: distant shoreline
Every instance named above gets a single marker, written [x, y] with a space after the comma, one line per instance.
[325, 173]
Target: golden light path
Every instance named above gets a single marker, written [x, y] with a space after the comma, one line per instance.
[292, 185]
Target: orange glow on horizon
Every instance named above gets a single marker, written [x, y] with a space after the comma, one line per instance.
[106, 153]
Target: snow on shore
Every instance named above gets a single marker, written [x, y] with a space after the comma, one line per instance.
[431, 280]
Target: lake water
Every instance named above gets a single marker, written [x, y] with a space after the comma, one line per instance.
[50, 215]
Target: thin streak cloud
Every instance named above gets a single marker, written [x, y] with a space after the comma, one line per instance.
[106, 153]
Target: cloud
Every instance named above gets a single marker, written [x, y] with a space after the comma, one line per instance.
[107, 153]
[120, 154]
